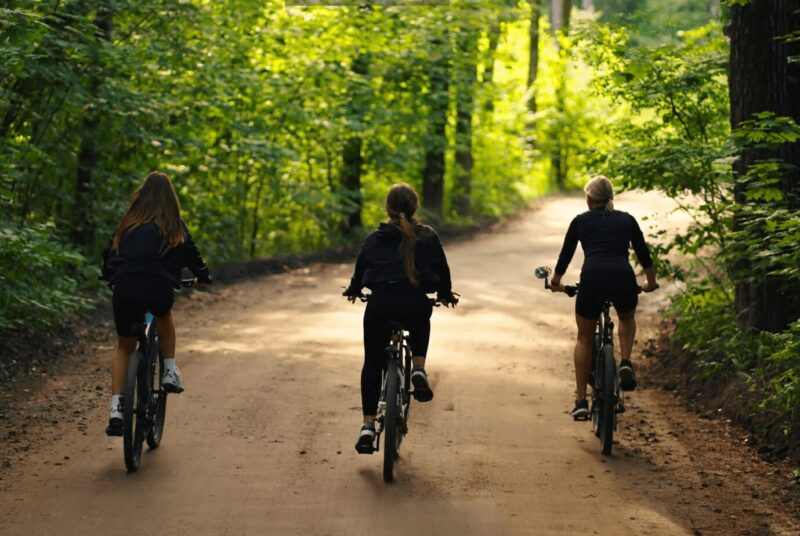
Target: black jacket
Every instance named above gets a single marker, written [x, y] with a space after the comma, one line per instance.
[379, 261]
[142, 250]
[605, 236]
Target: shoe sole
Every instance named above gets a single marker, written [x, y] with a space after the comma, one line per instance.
[582, 415]
[626, 380]
[114, 428]
[364, 449]
[422, 392]
[172, 388]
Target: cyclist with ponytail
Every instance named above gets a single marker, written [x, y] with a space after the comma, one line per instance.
[399, 262]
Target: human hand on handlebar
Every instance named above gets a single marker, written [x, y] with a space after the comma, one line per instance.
[449, 300]
[650, 286]
[555, 284]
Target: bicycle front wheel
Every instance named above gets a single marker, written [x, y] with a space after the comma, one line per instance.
[609, 418]
[391, 420]
[136, 399]
[158, 406]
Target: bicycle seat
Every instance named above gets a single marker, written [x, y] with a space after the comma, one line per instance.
[396, 326]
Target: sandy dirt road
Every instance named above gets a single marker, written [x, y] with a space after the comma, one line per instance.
[262, 440]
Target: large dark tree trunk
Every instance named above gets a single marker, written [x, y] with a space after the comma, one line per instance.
[763, 80]
[436, 139]
[83, 224]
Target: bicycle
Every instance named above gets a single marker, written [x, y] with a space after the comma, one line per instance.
[607, 398]
[145, 406]
[394, 403]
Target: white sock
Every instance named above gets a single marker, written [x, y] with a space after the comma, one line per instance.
[169, 364]
[116, 400]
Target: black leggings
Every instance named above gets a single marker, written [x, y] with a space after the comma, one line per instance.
[397, 302]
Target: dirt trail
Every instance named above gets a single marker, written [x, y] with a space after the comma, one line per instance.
[262, 440]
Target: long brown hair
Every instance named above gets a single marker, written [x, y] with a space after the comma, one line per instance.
[155, 200]
[401, 205]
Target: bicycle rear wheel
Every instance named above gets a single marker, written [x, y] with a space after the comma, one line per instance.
[391, 424]
[158, 406]
[609, 416]
[136, 399]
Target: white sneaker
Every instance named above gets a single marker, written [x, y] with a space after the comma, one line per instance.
[172, 381]
[114, 427]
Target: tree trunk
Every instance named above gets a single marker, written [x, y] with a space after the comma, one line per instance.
[558, 159]
[436, 139]
[762, 79]
[533, 56]
[588, 5]
[352, 161]
[83, 225]
[466, 78]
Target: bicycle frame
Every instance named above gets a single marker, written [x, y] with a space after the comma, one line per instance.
[400, 351]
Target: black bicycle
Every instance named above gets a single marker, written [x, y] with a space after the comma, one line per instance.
[394, 404]
[145, 397]
[607, 398]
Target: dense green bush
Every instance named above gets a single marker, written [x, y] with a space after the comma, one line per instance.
[39, 282]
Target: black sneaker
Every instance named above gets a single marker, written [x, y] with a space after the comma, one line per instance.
[422, 389]
[581, 411]
[366, 439]
[627, 381]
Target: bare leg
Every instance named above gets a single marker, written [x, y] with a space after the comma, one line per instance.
[119, 366]
[627, 333]
[166, 335]
[418, 361]
[583, 353]
[368, 419]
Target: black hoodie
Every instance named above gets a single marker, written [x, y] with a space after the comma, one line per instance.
[379, 261]
[142, 250]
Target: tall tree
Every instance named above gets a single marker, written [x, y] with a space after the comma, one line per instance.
[436, 138]
[352, 159]
[465, 79]
[558, 159]
[83, 223]
[533, 51]
[762, 79]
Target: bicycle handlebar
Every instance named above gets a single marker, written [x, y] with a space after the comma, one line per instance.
[435, 302]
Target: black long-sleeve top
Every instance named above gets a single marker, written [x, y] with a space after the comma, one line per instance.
[380, 261]
[605, 236]
[143, 250]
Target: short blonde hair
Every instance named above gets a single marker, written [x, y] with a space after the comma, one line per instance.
[600, 190]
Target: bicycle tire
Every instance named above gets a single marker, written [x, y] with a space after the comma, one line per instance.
[133, 430]
[609, 399]
[391, 424]
[159, 406]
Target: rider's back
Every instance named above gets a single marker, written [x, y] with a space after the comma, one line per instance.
[605, 236]
[383, 263]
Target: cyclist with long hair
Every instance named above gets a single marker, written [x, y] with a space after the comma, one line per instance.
[605, 235]
[142, 264]
[399, 262]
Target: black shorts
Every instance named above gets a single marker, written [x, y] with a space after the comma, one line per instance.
[617, 286]
[136, 294]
